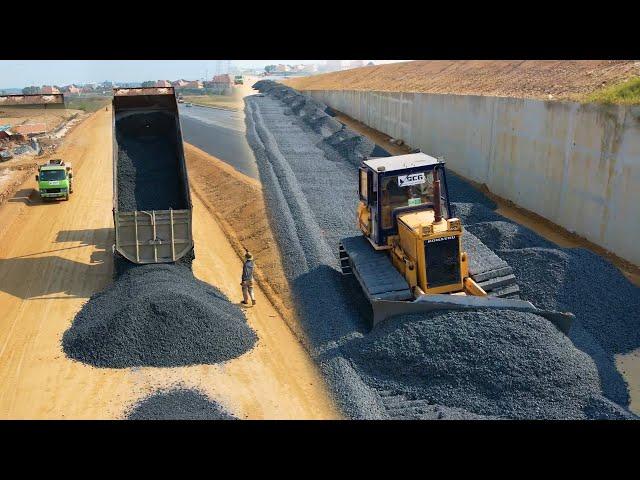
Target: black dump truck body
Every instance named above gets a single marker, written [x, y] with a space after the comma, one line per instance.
[151, 200]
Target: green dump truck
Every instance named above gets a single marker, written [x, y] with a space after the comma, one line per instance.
[55, 180]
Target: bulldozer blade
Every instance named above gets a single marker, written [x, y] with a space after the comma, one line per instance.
[383, 309]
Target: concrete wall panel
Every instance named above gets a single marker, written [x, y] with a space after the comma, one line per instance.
[576, 165]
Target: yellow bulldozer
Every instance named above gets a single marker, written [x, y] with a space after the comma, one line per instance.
[411, 255]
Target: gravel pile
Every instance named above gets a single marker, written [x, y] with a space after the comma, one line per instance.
[500, 235]
[608, 319]
[310, 188]
[471, 213]
[178, 404]
[463, 192]
[505, 364]
[148, 165]
[158, 316]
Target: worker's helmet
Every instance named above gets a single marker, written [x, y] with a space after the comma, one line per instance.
[248, 255]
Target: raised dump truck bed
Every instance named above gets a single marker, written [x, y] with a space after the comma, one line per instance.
[151, 200]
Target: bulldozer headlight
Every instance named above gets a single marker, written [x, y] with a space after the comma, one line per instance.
[454, 224]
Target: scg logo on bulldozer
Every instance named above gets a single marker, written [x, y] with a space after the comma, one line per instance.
[411, 179]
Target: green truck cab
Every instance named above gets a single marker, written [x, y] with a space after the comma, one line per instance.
[238, 80]
[55, 180]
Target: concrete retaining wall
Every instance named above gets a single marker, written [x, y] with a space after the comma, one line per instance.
[576, 165]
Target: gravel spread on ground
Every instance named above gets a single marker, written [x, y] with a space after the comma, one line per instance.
[158, 316]
[485, 364]
[178, 404]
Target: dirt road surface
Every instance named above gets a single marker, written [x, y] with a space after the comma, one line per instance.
[54, 256]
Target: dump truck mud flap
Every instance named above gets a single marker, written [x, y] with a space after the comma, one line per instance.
[383, 309]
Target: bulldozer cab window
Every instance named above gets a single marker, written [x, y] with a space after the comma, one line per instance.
[363, 184]
[396, 196]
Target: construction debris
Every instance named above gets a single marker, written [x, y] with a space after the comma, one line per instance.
[499, 357]
[178, 404]
[158, 316]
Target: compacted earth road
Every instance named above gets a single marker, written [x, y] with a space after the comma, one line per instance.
[54, 256]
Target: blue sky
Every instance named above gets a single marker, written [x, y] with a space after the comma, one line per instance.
[20, 73]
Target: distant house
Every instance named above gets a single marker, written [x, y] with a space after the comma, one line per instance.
[220, 84]
[163, 83]
[30, 129]
[222, 80]
[5, 132]
[193, 84]
[72, 90]
[179, 83]
[49, 90]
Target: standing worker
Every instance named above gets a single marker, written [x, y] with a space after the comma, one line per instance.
[247, 279]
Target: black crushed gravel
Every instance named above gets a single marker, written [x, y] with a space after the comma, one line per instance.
[378, 151]
[158, 316]
[506, 364]
[178, 404]
[310, 189]
[463, 192]
[500, 235]
[606, 304]
[471, 213]
[149, 174]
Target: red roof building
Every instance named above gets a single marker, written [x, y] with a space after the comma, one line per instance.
[49, 90]
[72, 89]
[224, 79]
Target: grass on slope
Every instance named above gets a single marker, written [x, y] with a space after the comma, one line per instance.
[625, 93]
[87, 104]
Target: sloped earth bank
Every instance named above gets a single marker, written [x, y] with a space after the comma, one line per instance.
[541, 79]
[445, 365]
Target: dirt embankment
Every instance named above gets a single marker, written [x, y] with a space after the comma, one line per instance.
[12, 177]
[51, 117]
[540, 79]
[236, 202]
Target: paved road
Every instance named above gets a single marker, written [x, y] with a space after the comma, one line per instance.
[220, 133]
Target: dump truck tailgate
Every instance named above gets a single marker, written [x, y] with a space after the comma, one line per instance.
[153, 237]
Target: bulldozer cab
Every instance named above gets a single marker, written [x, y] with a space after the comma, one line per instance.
[391, 186]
